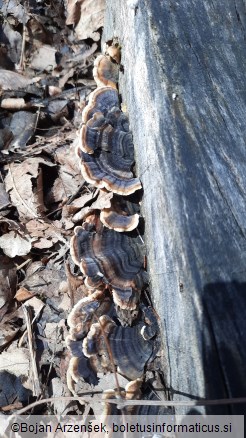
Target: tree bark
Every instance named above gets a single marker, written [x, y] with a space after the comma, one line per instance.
[183, 82]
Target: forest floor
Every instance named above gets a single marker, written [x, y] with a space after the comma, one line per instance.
[47, 50]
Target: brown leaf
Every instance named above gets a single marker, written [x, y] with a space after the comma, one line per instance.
[22, 126]
[45, 281]
[44, 234]
[103, 201]
[8, 333]
[90, 22]
[20, 187]
[70, 178]
[23, 294]
[14, 244]
[73, 11]
[13, 7]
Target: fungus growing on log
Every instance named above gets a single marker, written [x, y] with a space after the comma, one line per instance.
[103, 99]
[105, 72]
[105, 256]
[98, 134]
[79, 320]
[106, 170]
[130, 351]
[118, 222]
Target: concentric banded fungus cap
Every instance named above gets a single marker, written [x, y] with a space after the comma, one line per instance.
[107, 171]
[105, 72]
[118, 119]
[102, 136]
[118, 222]
[129, 350]
[102, 100]
[110, 257]
[79, 365]
[79, 319]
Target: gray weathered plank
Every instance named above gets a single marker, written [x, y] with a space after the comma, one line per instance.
[184, 86]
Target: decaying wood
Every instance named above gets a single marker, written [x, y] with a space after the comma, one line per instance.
[183, 83]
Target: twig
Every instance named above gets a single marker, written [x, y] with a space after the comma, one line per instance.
[70, 287]
[36, 384]
[22, 57]
[83, 399]
[37, 118]
[18, 267]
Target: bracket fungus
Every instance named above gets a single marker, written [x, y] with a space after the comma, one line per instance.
[102, 99]
[109, 328]
[107, 171]
[105, 71]
[108, 257]
[130, 350]
[99, 134]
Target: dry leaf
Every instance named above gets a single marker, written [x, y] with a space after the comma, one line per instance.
[4, 198]
[44, 234]
[103, 201]
[13, 7]
[17, 363]
[44, 58]
[11, 391]
[19, 184]
[7, 280]
[59, 389]
[64, 186]
[70, 178]
[10, 80]
[23, 294]
[22, 126]
[7, 334]
[79, 13]
[36, 304]
[12, 225]
[15, 41]
[45, 281]
[14, 244]
[73, 11]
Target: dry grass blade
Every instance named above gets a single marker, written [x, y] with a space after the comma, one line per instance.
[36, 384]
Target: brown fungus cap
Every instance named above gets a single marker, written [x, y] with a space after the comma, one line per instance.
[108, 257]
[114, 52]
[79, 319]
[102, 100]
[99, 135]
[107, 171]
[130, 352]
[105, 72]
[118, 222]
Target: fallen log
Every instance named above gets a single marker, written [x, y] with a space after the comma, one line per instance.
[183, 82]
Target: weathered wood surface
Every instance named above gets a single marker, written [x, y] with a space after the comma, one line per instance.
[184, 86]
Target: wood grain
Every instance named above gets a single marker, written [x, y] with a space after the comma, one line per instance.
[183, 82]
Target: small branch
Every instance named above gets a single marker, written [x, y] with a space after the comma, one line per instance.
[83, 399]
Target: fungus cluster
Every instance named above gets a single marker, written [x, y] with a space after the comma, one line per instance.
[110, 328]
